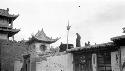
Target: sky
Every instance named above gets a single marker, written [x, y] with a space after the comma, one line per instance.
[95, 20]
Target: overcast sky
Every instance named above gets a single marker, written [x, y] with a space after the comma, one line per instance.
[95, 20]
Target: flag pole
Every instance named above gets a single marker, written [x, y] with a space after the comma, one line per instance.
[68, 28]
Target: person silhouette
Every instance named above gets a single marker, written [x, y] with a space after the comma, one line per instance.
[78, 40]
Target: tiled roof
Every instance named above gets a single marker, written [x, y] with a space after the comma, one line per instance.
[5, 26]
[92, 47]
[41, 36]
[10, 31]
[118, 38]
[6, 14]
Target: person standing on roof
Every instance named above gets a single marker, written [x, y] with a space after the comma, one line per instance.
[78, 44]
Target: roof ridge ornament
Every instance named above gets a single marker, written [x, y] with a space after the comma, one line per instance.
[7, 9]
[6, 13]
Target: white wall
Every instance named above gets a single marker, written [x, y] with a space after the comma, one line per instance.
[56, 63]
[115, 61]
[94, 62]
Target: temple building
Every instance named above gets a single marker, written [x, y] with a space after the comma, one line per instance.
[6, 24]
[41, 42]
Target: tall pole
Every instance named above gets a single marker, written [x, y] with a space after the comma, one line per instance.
[67, 38]
[68, 27]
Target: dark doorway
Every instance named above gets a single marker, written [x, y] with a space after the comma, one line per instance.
[82, 62]
[104, 61]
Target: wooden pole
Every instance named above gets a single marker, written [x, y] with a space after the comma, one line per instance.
[68, 28]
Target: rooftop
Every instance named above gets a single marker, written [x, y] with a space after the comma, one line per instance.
[5, 13]
[10, 32]
[97, 47]
[40, 36]
[118, 38]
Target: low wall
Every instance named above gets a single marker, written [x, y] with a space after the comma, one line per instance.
[56, 63]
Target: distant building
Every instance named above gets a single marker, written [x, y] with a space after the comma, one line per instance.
[41, 42]
[6, 24]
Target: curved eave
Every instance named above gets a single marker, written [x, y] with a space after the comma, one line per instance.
[118, 38]
[34, 39]
[13, 32]
[10, 32]
[13, 17]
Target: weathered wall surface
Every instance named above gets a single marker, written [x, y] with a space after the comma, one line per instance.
[56, 63]
[115, 61]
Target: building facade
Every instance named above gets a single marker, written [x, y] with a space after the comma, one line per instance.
[101, 57]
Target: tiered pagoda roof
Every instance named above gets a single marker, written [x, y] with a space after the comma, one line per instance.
[41, 37]
[10, 32]
[5, 28]
[5, 13]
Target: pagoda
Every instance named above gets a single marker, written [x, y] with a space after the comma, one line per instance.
[6, 24]
[41, 41]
